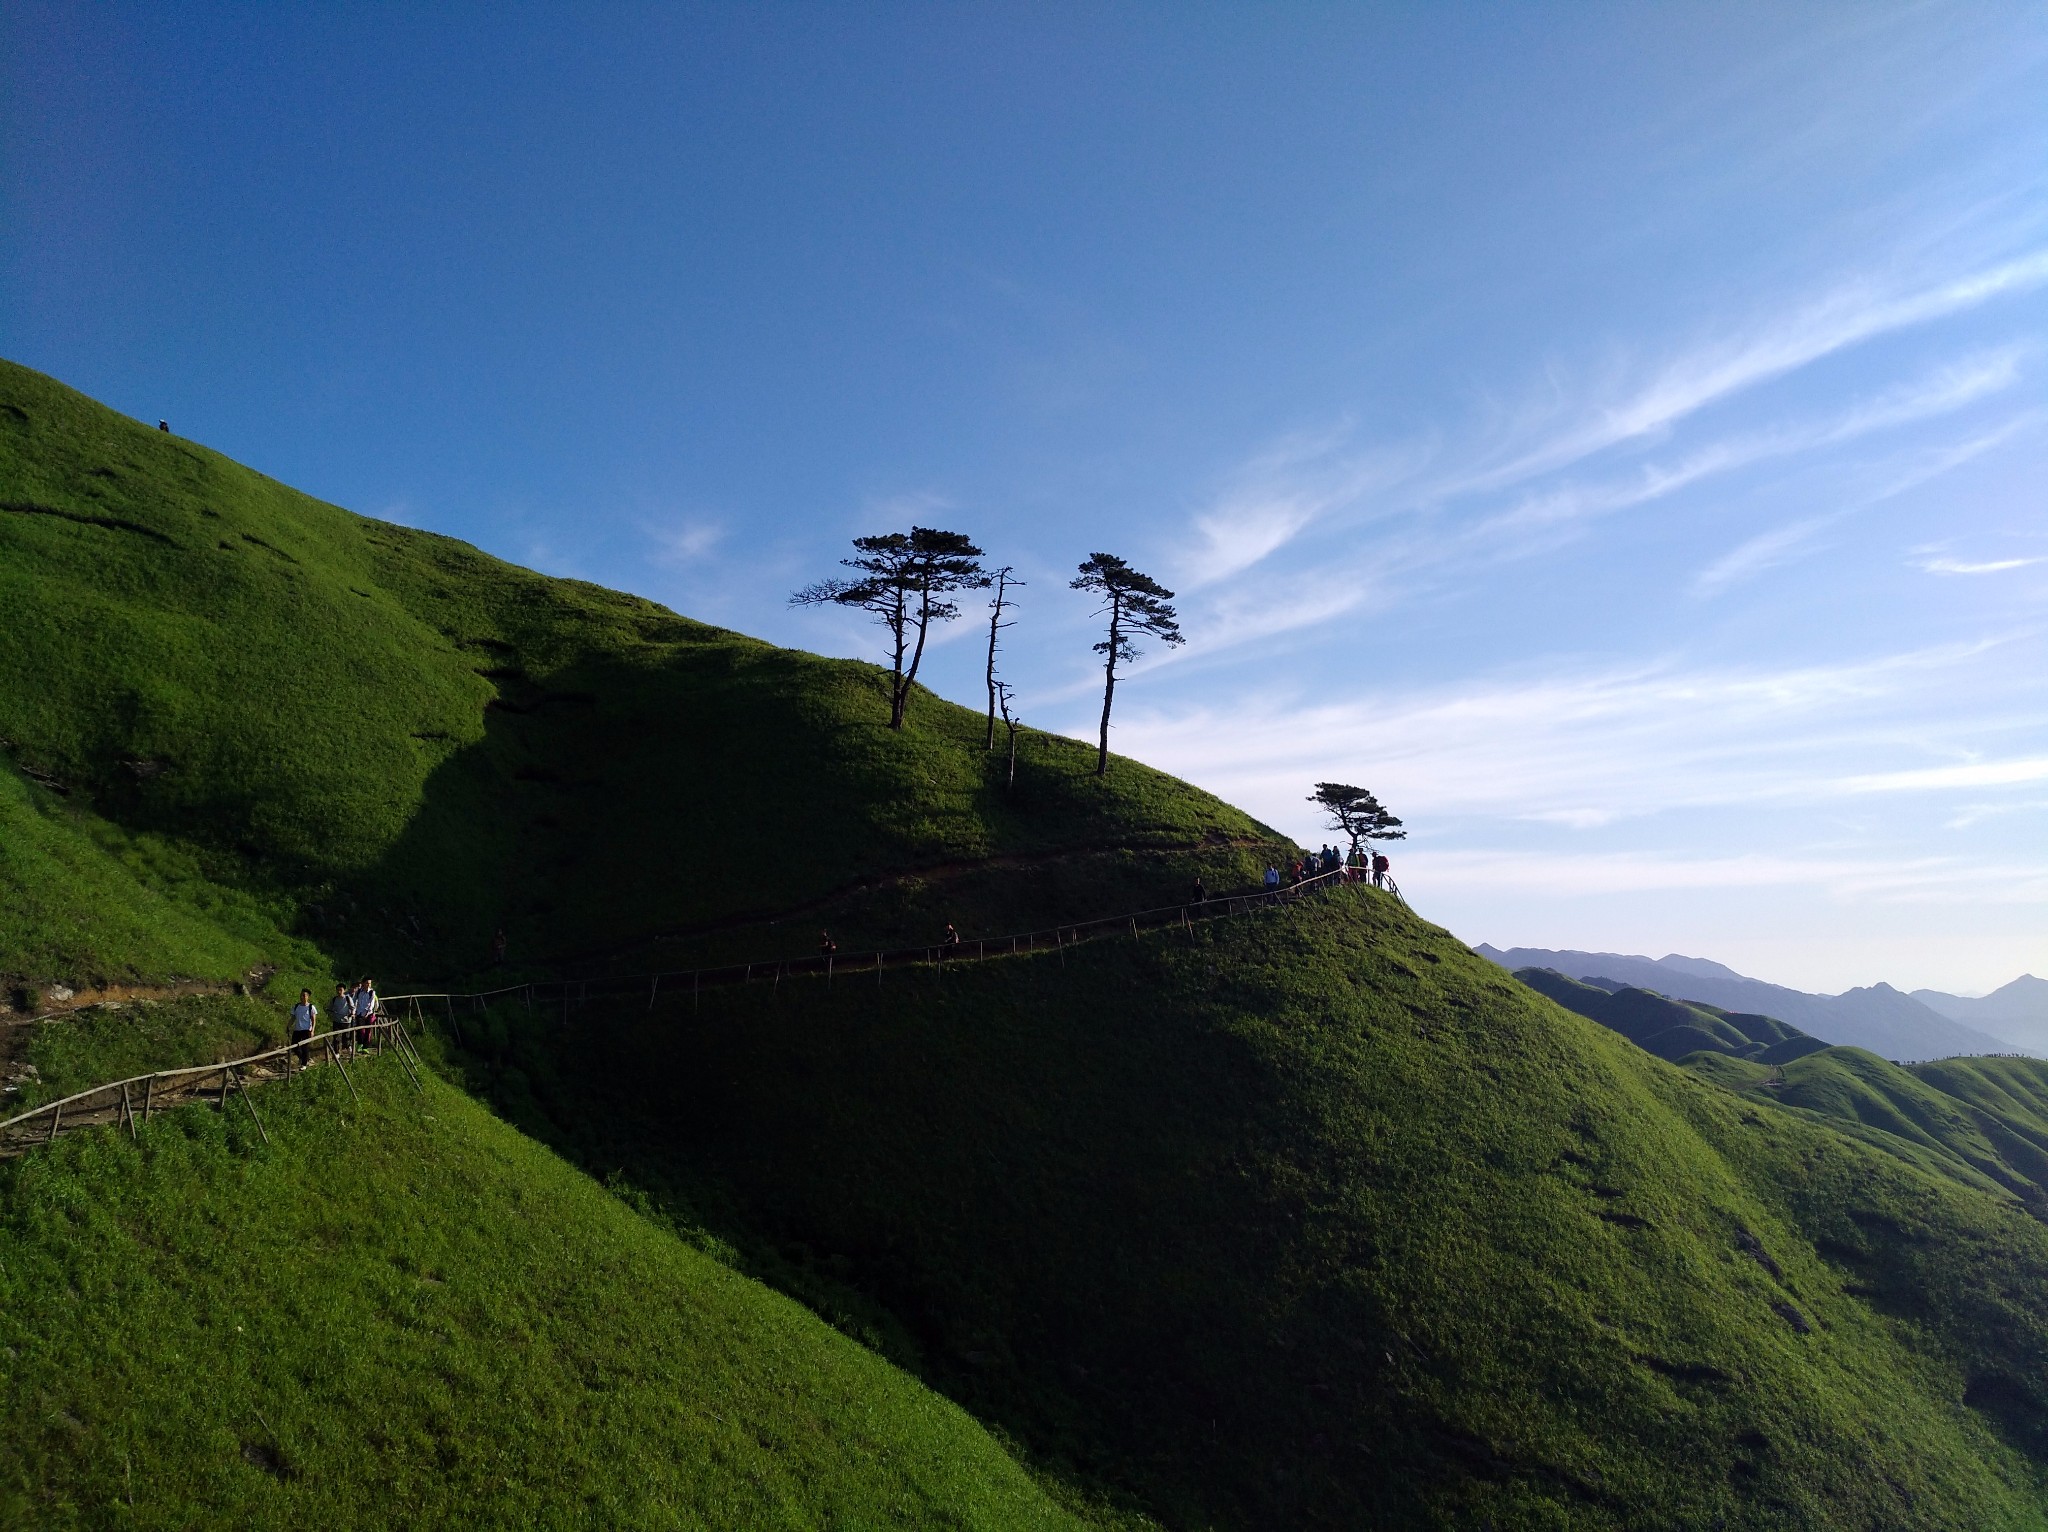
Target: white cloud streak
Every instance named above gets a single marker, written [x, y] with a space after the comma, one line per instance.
[1854, 312]
[1992, 566]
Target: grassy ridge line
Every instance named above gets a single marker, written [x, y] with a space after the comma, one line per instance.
[1980, 1122]
[402, 1312]
[1320, 1220]
[392, 743]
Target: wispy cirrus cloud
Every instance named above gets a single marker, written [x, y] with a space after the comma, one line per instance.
[1945, 566]
[685, 543]
[1938, 778]
[1766, 550]
[1587, 748]
[1855, 879]
[1945, 389]
[1279, 493]
[1853, 312]
[1315, 484]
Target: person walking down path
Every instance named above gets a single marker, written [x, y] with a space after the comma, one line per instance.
[1201, 892]
[952, 938]
[1272, 878]
[1380, 864]
[305, 1016]
[826, 946]
[366, 1005]
[341, 1013]
[498, 948]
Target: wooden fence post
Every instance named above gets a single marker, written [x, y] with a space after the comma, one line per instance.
[243, 1086]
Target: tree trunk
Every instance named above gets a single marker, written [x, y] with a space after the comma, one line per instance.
[1011, 785]
[995, 617]
[897, 690]
[924, 618]
[1108, 691]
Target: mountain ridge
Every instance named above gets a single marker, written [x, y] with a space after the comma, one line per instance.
[2018, 1010]
[1878, 1017]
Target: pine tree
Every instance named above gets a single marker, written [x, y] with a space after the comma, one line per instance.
[1136, 603]
[903, 579]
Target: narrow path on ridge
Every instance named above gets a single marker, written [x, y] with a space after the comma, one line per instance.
[934, 872]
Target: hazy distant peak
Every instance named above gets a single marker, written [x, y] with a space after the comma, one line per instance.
[1704, 968]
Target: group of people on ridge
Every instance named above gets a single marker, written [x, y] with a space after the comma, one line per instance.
[1355, 866]
[355, 1007]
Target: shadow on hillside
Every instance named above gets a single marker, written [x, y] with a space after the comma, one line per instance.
[721, 804]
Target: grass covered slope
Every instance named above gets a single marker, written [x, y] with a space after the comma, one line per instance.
[1673, 1029]
[399, 743]
[401, 1312]
[1982, 1122]
[1317, 1219]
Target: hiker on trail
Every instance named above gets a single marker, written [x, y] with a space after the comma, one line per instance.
[826, 946]
[1380, 864]
[304, 1015]
[341, 1013]
[952, 936]
[366, 1004]
[1201, 893]
[498, 949]
[1272, 877]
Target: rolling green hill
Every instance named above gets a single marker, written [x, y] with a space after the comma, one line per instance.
[1673, 1029]
[1309, 1217]
[1316, 1219]
[1982, 1122]
[277, 717]
[400, 1312]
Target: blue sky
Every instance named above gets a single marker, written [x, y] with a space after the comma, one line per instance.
[1616, 434]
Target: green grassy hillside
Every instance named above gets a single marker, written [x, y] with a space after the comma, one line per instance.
[1308, 1218]
[392, 743]
[1982, 1122]
[401, 1312]
[1673, 1029]
[1317, 1219]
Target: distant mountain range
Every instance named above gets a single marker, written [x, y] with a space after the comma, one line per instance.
[2018, 1011]
[1889, 1022]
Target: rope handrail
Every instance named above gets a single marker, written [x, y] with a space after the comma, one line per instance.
[229, 1069]
[766, 969]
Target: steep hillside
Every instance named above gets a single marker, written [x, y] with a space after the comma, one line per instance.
[1672, 1029]
[400, 1312]
[276, 716]
[1308, 1217]
[1315, 1219]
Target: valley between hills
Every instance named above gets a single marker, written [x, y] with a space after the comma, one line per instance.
[1308, 1217]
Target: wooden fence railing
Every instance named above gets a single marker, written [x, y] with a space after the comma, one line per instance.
[130, 1102]
[568, 993]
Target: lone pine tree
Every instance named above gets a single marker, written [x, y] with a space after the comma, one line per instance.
[1135, 603]
[903, 580]
[1356, 813]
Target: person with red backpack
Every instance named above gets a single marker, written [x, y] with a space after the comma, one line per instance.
[1380, 864]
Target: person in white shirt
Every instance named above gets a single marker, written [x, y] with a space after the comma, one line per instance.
[305, 1016]
[365, 1005]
